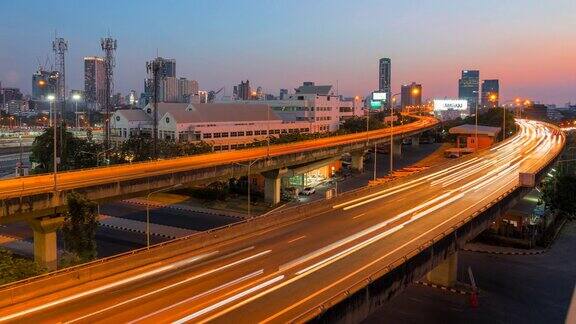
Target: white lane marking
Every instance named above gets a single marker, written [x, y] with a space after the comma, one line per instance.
[358, 215]
[350, 238]
[296, 239]
[174, 285]
[208, 292]
[416, 181]
[106, 287]
[229, 300]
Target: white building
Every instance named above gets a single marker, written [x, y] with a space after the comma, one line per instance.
[310, 103]
[350, 108]
[224, 125]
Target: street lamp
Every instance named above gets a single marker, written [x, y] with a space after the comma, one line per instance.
[148, 210]
[76, 97]
[53, 124]
[248, 165]
[415, 90]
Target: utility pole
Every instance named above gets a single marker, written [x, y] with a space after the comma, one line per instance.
[60, 47]
[109, 46]
[156, 68]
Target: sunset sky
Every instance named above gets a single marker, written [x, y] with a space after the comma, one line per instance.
[530, 45]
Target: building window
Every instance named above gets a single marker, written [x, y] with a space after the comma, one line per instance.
[240, 133]
[248, 133]
[256, 132]
[224, 134]
[216, 135]
[277, 131]
[207, 135]
[233, 134]
[167, 120]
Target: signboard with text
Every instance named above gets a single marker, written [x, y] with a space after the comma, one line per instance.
[445, 104]
[379, 96]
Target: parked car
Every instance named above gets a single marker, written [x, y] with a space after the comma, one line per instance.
[308, 191]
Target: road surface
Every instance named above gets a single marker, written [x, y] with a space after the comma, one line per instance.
[283, 272]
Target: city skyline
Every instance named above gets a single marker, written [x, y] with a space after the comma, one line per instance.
[519, 43]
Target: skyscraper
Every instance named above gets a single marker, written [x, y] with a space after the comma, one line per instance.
[490, 93]
[94, 82]
[385, 78]
[411, 94]
[283, 94]
[242, 91]
[187, 89]
[168, 67]
[468, 86]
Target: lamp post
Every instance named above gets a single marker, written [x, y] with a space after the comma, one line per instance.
[148, 210]
[76, 97]
[392, 130]
[248, 165]
[54, 124]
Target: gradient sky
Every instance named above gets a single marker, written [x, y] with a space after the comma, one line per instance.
[530, 45]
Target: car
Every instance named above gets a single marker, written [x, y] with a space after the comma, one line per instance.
[308, 191]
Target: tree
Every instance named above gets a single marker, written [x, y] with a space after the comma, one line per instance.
[79, 229]
[559, 193]
[13, 268]
[74, 153]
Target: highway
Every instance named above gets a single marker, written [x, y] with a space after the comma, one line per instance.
[16, 188]
[281, 273]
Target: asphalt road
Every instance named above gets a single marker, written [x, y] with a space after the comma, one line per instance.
[197, 221]
[281, 273]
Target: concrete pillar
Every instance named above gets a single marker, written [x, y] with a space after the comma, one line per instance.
[357, 161]
[45, 250]
[416, 141]
[397, 148]
[445, 274]
[272, 185]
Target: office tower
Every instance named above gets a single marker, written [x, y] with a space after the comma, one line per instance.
[44, 83]
[490, 93]
[411, 95]
[283, 94]
[468, 86]
[187, 89]
[95, 82]
[385, 78]
[242, 91]
[168, 67]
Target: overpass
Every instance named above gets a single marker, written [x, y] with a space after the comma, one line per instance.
[334, 260]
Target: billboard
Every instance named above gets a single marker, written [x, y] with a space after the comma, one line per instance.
[454, 104]
[375, 104]
[381, 96]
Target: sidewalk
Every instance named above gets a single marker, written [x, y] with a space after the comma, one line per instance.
[492, 249]
[124, 224]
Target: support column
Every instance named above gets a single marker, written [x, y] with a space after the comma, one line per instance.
[397, 149]
[416, 141]
[45, 250]
[272, 185]
[358, 161]
[445, 274]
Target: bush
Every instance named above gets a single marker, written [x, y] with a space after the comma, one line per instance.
[13, 268]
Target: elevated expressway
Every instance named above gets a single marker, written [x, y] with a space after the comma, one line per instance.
[40, 195]
[334, 260]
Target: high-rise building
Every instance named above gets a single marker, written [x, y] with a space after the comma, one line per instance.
[242, 91]
[411, 94]
[283, 94]
[169, 67]
[385, 78]
[490, 93]
[187, 89]
[468, 86]
[95, 82]
[44, 83]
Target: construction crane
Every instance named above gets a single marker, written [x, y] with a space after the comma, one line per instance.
[212, 94]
